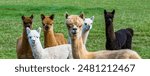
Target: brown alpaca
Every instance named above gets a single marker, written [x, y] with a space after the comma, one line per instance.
[23, 48]
[51, 38]
[74, 24]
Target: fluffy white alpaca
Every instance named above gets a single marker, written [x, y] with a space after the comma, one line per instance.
[56, 52]
[87, 26]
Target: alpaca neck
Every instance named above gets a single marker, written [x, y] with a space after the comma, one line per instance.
[78, 49]
[25, 43]
[110, 34]
[37, 49]
[25, 38]
[85, 36]
[49, 38]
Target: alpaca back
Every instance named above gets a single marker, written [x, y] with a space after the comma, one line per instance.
[117, 54]
[131, 31]
[124, 38]
[60, 38]
[58, 52]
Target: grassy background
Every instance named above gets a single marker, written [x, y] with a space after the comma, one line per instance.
[129, 13]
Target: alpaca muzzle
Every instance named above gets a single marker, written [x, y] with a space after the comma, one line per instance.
[74, 31]
[33, 41]
[46, 27]
[110, 19]
[88, 27]
[28, 25]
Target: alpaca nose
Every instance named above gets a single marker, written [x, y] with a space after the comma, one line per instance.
[46, 27]
[88, 27]
[74, 30]
[110, 19]
[33, 41]
[28, 25]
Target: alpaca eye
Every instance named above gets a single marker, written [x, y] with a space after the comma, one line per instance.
[85, 23]
[69, 26]
[30, 37]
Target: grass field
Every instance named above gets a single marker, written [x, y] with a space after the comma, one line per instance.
[129, 13]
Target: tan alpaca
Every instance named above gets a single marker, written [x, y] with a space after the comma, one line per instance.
[74, 24]
[51, 38]
[23, 48]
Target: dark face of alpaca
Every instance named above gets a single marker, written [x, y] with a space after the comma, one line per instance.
[47, 22]
[109, 16]
[27, 21]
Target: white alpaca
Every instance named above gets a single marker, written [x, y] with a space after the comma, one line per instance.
[56, 52]
[87, 26]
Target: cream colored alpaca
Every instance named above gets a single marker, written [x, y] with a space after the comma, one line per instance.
[56, 52]
[87, 26]
[74, 24]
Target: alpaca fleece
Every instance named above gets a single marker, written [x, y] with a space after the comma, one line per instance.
[74, 24]
[121, 39]
[23, 48]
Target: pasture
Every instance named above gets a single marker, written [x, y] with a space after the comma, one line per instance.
[129, 13]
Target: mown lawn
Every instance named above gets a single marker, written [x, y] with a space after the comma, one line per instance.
[129, 13]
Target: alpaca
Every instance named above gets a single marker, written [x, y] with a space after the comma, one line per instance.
[74, 25]
[121, 39]
[23, 48]
[56, 52]
[51, 38]
[87, 26]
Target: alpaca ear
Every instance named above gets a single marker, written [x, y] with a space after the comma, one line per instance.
[52, 16]
[113, 12]
[105, 12]
[28, 30]
[23, 17]
[66, 15]
[42, 16]
[39, 30]
[92, 18]
[31, 16]
[81, 15]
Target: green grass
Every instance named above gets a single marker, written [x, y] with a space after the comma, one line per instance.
[129, 13]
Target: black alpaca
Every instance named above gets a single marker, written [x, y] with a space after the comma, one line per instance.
[121, 39]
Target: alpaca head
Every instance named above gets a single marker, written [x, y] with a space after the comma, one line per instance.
[74, 24]
[109, 16]
[27, 21]
[88, 23]
[47, 21]
[33, 36]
